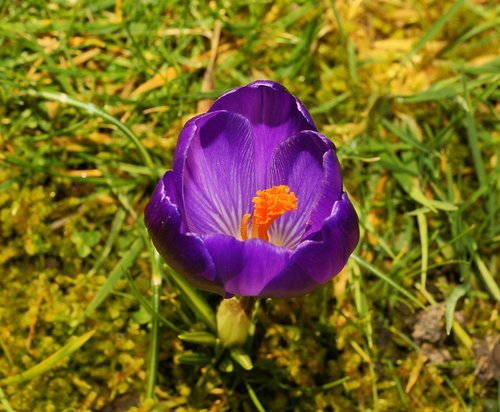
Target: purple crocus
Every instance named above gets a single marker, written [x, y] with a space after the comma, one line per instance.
[254, 205]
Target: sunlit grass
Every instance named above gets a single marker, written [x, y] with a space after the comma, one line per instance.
[93, 98]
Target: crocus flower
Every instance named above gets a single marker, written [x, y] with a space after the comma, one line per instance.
[254, 205]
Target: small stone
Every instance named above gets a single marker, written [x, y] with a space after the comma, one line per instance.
[487, 355]
[429, 325]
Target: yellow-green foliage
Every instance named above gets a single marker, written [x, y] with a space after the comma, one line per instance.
[408, 92]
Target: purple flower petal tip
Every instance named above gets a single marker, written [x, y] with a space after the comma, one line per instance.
[254, 205]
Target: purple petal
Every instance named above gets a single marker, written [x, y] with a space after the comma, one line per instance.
[188, 132]
[245, 267]
[330, 191]
[299, 163]
[274, 115]
[218, 180]
[184, 252]
[321, 257]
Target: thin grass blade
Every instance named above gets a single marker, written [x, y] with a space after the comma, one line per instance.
[386, 279]
[47, 364]
[116, 274]
[199, 306]
[95, 110]
[199, 338]
[434, 29]
[146, 305]
[457, 293]
[254, 398]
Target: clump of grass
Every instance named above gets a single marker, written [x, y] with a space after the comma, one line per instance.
[93, 98]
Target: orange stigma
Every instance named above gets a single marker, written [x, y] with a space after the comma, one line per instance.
[269, 205]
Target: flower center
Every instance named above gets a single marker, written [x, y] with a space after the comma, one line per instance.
[269, 205]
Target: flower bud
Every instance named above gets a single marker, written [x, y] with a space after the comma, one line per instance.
[232, 323]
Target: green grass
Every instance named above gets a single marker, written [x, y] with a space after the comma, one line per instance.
[93, 98]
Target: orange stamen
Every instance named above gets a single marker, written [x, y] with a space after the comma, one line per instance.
[270, 204]
[244, 226]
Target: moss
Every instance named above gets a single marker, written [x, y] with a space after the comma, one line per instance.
[65, 174]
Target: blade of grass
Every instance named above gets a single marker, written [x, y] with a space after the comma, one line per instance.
[456, 392]
[460, 333]
[118, 271]
[470, 33]
[145, 304]
[349, 45]
[373, 378]
[336, 15]
[199, 338]
[152, 369]
[434, 29]
[404, 135]
[335, 383]
[113, 233]
[445, 245]
[199, 306]
[5, 402]
[351, 63]
[472, 135]
[330, 104]
[29, 42]
[195, 359]
[424, 244]
[457, 293]
[92, 109]
[73, 345]
[365, 222]
[6, 352]
[8, 183]
[448, 88]
[362, 308]
[488, 278]
[402, 395]
[386, 279]
[411, 186]
[254, 398]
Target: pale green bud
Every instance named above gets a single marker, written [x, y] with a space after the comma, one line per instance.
[233, 323]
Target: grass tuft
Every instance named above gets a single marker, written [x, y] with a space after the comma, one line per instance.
[93, 97]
